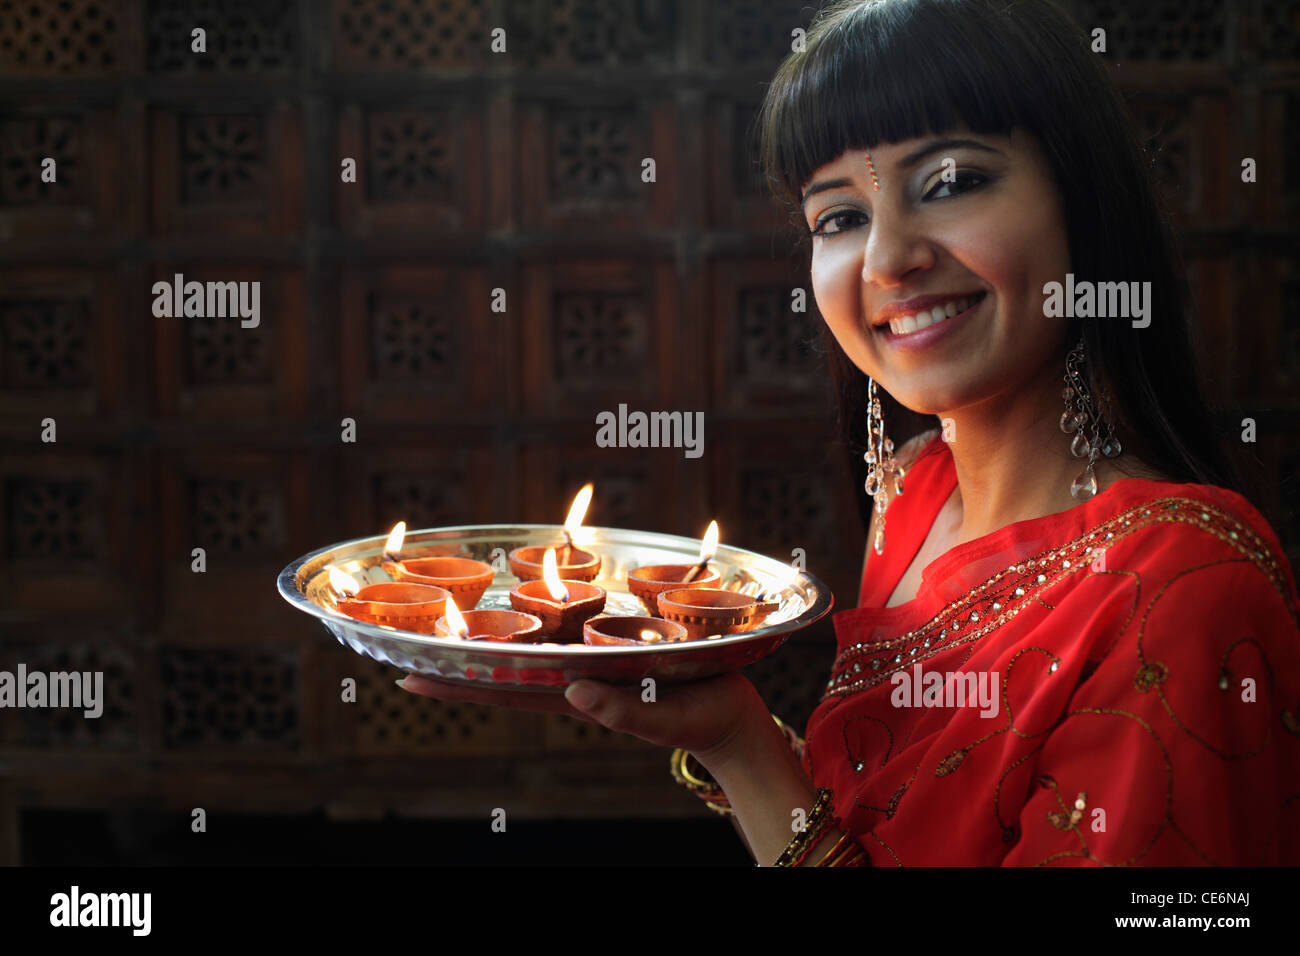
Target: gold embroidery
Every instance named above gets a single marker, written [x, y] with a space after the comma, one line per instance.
[988, 606]
[1160, 691]
[1149, 675]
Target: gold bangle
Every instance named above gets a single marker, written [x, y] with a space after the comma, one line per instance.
[819, 818]
[833, 850]
[704, 786]
[850, 853]
[706, 790]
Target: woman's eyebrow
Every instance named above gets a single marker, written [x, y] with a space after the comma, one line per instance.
[941, 144]
[821, 187]
[910, 160]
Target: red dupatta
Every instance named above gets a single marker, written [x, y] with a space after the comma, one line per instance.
[1140, 658]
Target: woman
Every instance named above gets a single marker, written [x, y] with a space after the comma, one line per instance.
[1055, 659]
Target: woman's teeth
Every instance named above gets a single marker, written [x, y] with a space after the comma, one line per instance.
[914, 323]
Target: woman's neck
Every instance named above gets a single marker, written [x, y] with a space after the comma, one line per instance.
[1013, 462]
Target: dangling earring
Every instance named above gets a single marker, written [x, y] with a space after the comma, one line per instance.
[880, 463]
[1091, 426]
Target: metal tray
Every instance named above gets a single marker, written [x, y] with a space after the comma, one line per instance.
[551, 667]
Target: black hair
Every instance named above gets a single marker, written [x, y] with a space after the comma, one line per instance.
[885, 72]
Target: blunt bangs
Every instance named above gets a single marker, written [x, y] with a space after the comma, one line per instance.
[893, 71]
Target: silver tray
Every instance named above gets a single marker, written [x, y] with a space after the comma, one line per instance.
[551, 667]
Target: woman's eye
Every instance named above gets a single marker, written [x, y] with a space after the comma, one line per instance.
[971, 180]
[836, 217]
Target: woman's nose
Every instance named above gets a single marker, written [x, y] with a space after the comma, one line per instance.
[894, 248]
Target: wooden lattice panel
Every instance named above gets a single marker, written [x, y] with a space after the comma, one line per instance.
[418, 167]
[753, 34]
[417, 341]
[241, 35]
[580, 162]
[766, 354]
[230, 699]
[84, 197]
[1167, 31]
[633, 487]
[227, 171]
[215, 366]
[737, 194]
[58, 347]
[785, 487]
[63, 531]
[426, 478]
[62, 37]
[250, 512]
[599, 333]
[592, 33]
[388, 721]
[409, 35]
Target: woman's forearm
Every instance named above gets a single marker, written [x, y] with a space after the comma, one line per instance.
[765, 785]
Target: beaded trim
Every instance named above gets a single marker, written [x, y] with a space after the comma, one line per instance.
[988, 606]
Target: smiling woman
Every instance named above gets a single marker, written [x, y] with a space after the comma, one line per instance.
[951, 161]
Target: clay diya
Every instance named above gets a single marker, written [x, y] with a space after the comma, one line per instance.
[466, 578]
[574, 563]
[609, 629]
[563, 606]
[526, 563]
[705, 611]
[491, 624]
[400, 604]
[649, 582]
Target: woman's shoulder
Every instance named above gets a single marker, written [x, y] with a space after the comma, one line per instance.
[1205, 537]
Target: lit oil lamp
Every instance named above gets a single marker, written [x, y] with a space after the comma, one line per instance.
[574, 564]
[490, 624]
[466, 578]
[650, 581]
[401, 604]
[705, 611]
[563, 606]
[608, 629]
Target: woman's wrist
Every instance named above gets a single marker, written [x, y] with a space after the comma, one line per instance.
[738, 746]
[765, 783]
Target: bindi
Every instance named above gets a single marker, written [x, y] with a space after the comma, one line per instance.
[875, 183]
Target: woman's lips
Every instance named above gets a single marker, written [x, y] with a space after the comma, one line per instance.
[909, 341]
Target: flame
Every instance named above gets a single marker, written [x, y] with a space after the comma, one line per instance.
[551, 575]
[578, 510]
[649, 636]
[710, 542]
[455, 622]
[395, 539]
[343, 582]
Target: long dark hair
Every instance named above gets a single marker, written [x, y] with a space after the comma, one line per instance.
[886, 72]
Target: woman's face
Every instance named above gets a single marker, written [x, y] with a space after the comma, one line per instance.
[996, 227]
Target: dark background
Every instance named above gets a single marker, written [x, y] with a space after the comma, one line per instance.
[475, 171]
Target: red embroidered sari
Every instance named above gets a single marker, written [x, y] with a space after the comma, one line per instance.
[1141, 658]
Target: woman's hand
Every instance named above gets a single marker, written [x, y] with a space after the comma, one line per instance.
[705, 717]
